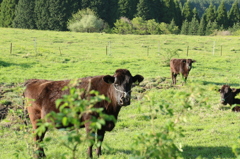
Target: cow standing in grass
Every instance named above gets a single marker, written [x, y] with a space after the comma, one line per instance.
[228, 97]
[44, 93]
[180, 66]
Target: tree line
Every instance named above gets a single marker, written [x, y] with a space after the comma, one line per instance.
[121, 16]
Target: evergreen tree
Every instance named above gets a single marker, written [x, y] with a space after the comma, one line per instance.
[144, 9]
[187, 12]
[173, 28]
[0, 6]
[86, 4]
[111, 13]
[222, 18]
[57, 15]
[193, 27]
[211, 27]
[42, 14]
[202, 27]
[25, 15]
[208, 28]
[184, 29]
[178, 14]
[168, 11]
[7, 13]
[156, 6]
[195, 14]
[104, 9]
[54, 14]
[234, 14]
[74, 5]
[210, 13]
[127, 8]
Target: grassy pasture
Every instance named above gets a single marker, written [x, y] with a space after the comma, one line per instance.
[210, 129]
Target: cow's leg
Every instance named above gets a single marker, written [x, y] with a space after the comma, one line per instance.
[91, 138]
[40, 150]
[174, 76]
[35, 115]
[100, 136]
[185, 78]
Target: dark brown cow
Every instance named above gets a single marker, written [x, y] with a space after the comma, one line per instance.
[228, 97]
[43, 94]
[182, 66]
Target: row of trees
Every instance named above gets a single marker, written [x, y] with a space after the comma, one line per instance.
[201, 5]
[56, 14]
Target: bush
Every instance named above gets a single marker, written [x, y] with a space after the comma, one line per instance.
[140, 26]
[85, 21]
[153, 27]
[123, 26]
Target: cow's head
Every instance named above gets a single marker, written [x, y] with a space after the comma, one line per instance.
[227, 94]
[188, 63]
[122, 82]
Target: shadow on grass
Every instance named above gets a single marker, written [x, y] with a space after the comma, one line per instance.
[114, 151]
[207, 152]
[220, 84]
[8, 64]
[190, 152]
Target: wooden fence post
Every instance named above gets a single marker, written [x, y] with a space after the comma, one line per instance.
[106, 50]
[214, 47]
[60, 51]
[11, 48]
[147, 50]
[35, 46]
[221, 50]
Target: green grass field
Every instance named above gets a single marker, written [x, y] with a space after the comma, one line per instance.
[210, 129]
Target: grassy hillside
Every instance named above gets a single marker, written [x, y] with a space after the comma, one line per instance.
[210, 129]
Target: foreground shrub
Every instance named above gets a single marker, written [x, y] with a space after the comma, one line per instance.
[72, 108]
[162, 142]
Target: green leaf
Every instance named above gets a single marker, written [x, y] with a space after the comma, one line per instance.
[65, 121]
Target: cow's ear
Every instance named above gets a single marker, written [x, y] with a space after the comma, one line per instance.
[194, 61]
[219, 90]
[137, 79]
[108, 79]
[234, 90]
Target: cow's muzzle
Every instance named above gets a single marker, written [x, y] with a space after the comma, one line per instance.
[125, 99]
[223, 101]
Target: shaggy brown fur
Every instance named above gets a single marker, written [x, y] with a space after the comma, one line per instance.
[180, 66]
[42, 94]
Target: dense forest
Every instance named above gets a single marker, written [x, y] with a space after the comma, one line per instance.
[194, 17]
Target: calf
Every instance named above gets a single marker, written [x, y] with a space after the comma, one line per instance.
[44, 93]
[228, 97]
[182, 66]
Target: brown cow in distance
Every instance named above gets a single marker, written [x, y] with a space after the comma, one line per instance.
[180, 66]
[44, 93]
[228, 97]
